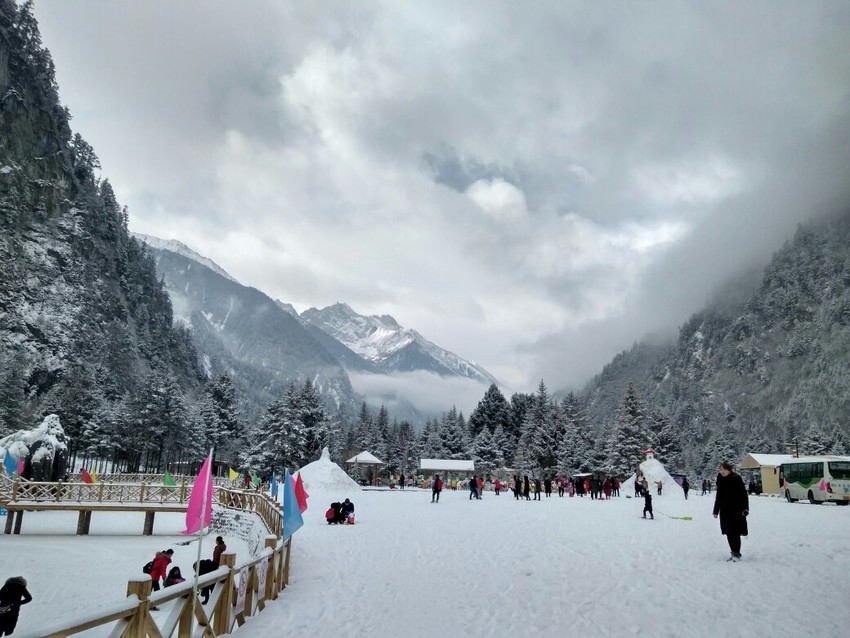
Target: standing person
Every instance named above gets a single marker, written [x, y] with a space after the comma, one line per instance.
[160, 567]
[473, 488]
[647, 504]
[606, 487]
[517, 487]
[526, 487]
[732, 504]
[685, 487]
[480, 487]
[436, 489]
[615, 485]
[218, 550]
[401, 482]
[547, 486]
[537, 489]
[658, 486]
[13, 594]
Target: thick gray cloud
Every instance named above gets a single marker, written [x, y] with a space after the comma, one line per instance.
[530, 186]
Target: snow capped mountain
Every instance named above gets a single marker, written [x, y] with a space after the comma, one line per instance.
[182, 249]
[389, 346]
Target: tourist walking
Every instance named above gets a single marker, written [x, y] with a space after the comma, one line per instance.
[159, 569]
[537, 489]
[436, 488]
[526, 488]
[685, 487]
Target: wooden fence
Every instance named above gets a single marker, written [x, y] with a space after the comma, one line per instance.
[238, 591]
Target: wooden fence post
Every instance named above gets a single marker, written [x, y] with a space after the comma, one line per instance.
[141, 587]
[271, 570]
[148, 530]
[224, 608]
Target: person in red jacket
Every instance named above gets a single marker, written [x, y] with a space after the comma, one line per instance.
[160, 567]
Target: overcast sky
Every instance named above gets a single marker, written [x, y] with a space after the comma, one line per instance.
[533, 186]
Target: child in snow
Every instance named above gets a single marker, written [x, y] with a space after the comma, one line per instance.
[647, 504]
[174, 577]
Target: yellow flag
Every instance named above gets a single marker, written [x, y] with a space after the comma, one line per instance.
[233, 474]
[93, 476]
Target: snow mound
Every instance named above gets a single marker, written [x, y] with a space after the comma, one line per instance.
[326, 476]
[49, 433]
[654, 471]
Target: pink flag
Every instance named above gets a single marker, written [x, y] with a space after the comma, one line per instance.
[200, 500]
[785, 483]
[301, 494]
[20, 467]
[822, 485]
[86, 476]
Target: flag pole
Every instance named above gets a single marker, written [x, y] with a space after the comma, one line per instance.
[200, 542]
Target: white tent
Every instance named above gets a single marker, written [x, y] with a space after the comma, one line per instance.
[447, 465]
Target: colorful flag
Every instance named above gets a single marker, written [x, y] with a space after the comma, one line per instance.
[10, 463]
[168, 480]
[199, 512]
[20, 467]
[301, 494]
[233, 474]
[255, 480]
[292, 520]
[274, 487]
[86, 476]
[94, 476]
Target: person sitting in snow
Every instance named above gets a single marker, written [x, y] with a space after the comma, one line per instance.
[647, 504]
[174, 577]
[346, 510]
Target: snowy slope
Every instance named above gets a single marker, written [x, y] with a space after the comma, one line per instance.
[391, 347]
[182, 249]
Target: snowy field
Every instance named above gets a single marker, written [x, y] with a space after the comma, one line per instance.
[495, 567]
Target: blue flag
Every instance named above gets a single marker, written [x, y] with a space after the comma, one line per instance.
[10, 463]
[292, 520]
[274, 487]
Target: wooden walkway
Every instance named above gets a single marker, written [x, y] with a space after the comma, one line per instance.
[113, 493]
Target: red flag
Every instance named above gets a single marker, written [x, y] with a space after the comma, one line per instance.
[301, 494]
[86, 476]
[199, 511]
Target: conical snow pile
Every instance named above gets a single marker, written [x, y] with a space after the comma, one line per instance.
[654, 471]
[326, 476]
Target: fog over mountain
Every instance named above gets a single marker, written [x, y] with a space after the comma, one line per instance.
[536, 187]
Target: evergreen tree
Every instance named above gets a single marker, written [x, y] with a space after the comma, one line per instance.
[454, 437]
[491, 412]
[314, 422]
[630, 438]
[483, 452]
[541, 431]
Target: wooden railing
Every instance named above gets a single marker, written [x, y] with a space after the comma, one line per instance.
[269, 511]
[238, 592]
[259, 580]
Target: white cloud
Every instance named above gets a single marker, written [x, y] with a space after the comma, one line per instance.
[498, 198]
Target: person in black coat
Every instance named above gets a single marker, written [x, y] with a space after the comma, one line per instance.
[685, 487]
[732, 504]
[12, 595]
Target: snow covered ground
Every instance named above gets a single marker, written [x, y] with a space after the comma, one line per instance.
[495, 567]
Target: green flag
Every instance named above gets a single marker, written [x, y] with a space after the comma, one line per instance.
[168, 481]
[255, 480]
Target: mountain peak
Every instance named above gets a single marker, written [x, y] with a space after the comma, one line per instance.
[182, 249]
[382, 341]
